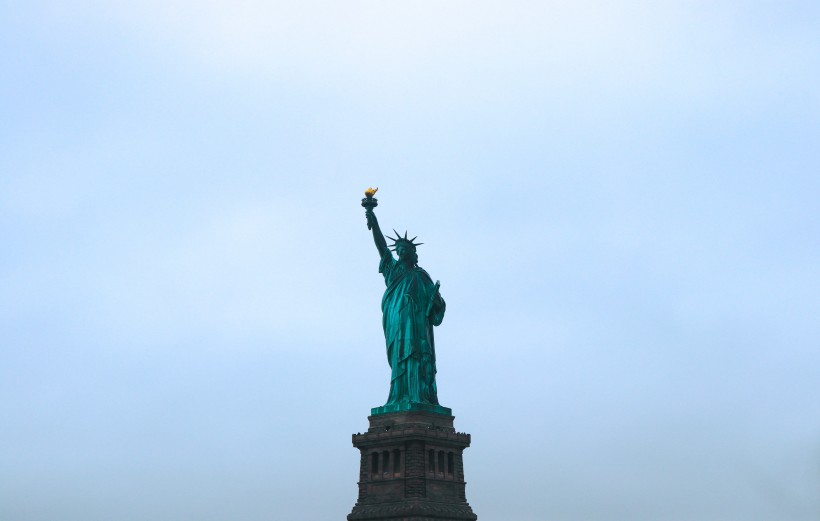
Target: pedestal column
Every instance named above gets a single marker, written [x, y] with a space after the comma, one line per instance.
[426, 483]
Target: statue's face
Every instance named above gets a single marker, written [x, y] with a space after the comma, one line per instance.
[407, 254]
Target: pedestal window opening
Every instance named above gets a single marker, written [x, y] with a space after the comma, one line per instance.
[386, 463]
[374, 464]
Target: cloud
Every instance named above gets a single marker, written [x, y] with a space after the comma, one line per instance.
[471, 54]
[374, 44]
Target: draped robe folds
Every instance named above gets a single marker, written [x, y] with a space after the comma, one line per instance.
[408, 331]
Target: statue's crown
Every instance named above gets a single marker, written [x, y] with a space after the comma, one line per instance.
[404, 241]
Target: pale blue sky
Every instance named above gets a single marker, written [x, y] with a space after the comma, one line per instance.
[619, 198]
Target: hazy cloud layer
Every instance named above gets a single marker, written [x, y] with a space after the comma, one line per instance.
[620, 200]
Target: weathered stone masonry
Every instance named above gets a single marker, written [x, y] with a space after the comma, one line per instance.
[412, 469]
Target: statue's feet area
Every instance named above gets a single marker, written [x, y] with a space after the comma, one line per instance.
[404, 406]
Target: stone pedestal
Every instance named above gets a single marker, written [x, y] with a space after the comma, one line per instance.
[411, 469]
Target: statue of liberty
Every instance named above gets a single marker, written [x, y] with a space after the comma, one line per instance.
[411, 306]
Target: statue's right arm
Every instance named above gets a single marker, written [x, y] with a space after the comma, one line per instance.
[378, 237]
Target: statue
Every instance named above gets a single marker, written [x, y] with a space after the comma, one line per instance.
[411, 306]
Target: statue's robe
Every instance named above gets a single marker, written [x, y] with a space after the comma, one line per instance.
[408, 331]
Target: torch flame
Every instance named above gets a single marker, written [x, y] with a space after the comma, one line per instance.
[370, 192]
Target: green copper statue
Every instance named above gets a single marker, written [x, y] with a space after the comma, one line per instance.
[411, 306]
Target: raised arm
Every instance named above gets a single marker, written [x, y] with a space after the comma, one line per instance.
[378, 237]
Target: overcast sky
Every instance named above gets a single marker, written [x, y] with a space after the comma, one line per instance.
[619, 198]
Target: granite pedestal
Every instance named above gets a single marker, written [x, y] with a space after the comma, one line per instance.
[412, 468]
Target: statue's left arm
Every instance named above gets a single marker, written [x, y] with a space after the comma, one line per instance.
[437, 308]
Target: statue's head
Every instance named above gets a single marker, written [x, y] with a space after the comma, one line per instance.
[405, 248]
